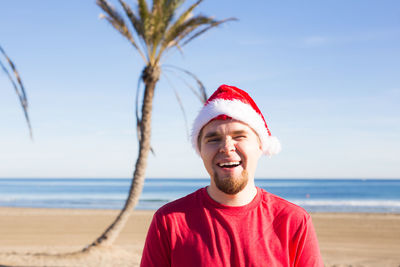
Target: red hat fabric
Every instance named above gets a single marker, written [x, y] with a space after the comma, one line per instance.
[236, 104]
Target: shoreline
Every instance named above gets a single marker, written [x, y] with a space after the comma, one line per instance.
[357, 239]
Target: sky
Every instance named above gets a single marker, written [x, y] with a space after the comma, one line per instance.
[325, 74]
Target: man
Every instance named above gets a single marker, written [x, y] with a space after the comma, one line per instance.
[231, 222]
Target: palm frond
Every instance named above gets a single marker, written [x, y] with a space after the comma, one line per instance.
[182, 18]
[19, 89]
[145, 17]
[200, 92]
[187, 84]
[212, 25]
[157, 19]
[157, 30]
[182, 108]
[135, 21]
[172, 30]
[187, 31]
[178, 32]
[178, 99]
[168, 11]
[143, 10]
[162, 14]
[116, 20]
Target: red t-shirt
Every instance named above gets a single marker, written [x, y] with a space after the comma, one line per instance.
[197, 231]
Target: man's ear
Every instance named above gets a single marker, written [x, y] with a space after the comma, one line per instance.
[199, 139]
[259, 143]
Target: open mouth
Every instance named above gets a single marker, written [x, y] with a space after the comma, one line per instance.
[232, 164]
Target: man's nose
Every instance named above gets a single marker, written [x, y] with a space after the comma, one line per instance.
[227, 146]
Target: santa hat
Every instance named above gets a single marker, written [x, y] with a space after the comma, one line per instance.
[229, 101]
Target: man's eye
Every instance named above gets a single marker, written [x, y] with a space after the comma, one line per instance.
[212, 140]
[240, 137]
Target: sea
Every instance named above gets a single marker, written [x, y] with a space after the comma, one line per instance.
[315, 195]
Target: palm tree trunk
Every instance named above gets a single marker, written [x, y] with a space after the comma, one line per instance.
[150, 77]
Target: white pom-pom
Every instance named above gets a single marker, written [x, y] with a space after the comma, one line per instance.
[272, 146]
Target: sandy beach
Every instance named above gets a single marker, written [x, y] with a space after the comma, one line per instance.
[346, 239]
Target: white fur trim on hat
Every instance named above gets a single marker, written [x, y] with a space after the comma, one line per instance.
[240, 111]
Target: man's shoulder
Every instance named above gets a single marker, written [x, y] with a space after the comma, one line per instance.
[183, 204]
[281, 207]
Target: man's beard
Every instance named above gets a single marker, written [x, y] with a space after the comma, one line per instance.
[231, 185]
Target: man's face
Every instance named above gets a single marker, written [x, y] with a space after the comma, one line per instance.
[230, 151]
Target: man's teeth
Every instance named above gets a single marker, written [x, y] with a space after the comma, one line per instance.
[229, 164]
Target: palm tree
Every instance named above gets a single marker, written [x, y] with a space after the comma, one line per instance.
[18, 86]
[153, 33]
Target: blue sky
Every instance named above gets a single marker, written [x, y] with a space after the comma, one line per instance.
[324, 73]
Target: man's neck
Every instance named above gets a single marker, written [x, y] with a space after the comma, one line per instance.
[242, 198]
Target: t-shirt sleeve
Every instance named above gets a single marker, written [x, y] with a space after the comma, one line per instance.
[308, 253]
[156, 250]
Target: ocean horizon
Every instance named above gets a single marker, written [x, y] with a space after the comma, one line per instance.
[314, 195]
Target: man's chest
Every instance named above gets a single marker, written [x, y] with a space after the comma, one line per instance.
[227, 241]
